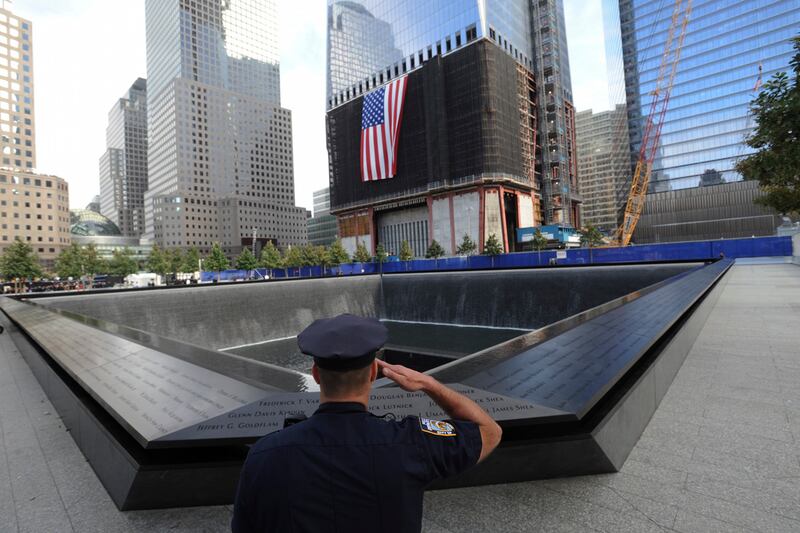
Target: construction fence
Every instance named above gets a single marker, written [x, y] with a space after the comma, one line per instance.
[666, 252]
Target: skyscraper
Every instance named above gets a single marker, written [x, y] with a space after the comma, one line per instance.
[728, 47]
[219, 143]
[17, 128]
[34, 208]
[603, 165]
[371, 42]
[123, 167]
[322, 226]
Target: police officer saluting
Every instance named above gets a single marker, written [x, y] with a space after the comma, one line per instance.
[345, 470]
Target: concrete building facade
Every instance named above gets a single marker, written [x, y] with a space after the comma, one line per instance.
[714, 211]
[219, 143]
[34, 208]
[123, 167]
[17, 117]
[603, 166]
[371, 42]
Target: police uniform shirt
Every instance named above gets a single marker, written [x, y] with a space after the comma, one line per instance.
[345, 470]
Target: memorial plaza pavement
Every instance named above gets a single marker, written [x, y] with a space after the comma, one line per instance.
[721, 453]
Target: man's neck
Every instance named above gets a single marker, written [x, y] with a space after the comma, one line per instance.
[354, 398]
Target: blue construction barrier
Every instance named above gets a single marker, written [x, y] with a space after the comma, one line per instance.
[672, 251]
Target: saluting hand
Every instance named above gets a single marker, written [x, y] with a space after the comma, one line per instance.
[408, 380]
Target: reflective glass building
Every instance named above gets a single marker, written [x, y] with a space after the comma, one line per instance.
[707, 119]
[371, 42]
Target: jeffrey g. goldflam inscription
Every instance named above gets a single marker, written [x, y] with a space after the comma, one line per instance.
[268, 414]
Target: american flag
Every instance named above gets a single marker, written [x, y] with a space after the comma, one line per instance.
[380, 129]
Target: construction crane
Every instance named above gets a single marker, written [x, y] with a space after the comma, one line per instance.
[654, 121]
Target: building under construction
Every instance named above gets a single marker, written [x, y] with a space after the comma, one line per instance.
[487, 136]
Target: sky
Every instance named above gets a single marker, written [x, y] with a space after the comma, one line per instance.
[87, 53]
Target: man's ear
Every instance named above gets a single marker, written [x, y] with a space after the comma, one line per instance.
[373, 371]
[315, 372]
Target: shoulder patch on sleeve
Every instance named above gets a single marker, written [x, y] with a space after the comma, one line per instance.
[439, 428]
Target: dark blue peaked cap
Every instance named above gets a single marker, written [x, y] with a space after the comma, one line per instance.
[344, 342]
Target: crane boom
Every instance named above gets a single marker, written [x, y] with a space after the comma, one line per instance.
[655, 120]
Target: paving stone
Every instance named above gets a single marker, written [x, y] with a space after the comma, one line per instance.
[689, 522]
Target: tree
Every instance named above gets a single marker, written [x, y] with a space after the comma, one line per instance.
[776, 137]
[338, 255]
[271, 257]
[158, 261]
[493, 246]
[216, 260]
[467, 246]
[191, 260]
[314, 255]
[246, 260]
[69, 263]
[591, 236]
[19, 261]
[361, 255]
[405, 252]
[380, 253]
[122, 263]
[539, 240]
[294, 257]
[175, 260]
[435, 250]
[92, 262]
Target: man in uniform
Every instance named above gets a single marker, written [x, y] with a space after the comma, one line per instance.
[345, 470]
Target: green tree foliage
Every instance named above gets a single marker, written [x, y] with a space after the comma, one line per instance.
[338, 255]
[493, 246]
[122, 263]
[314, 256]
[776, 137]
[69, 263]
[216, 260]
[467, 246]
[362, 255]
[92, 262]
[246, 260]
[175, 260]
[591, 236]
[294, 257]
[158, 261]
[405, 252]
[271, 257]
[19, 261]
[434, 251]
[539, 240]
[191, 260]
[380, 253]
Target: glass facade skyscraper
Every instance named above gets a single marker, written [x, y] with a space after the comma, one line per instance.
[371, 42]
[382, 39]
[707, 120]
[220, 144]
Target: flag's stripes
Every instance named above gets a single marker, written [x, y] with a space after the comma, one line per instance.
[380, 129]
